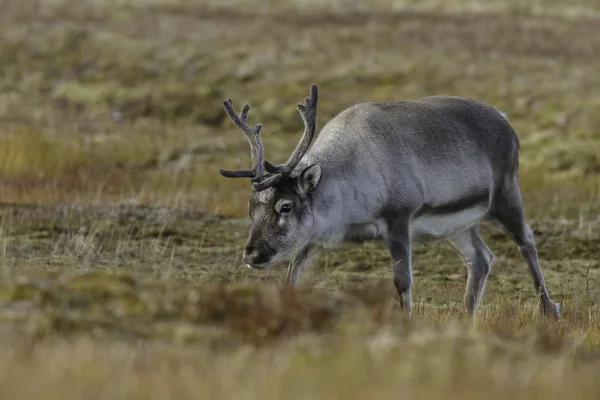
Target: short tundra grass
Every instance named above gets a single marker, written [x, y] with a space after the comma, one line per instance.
[152, 302]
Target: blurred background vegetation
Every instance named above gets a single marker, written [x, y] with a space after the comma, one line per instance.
[122, 101]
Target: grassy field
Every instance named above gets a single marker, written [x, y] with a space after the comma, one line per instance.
[120, 243]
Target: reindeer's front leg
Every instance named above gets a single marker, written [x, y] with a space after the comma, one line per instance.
[297, 263]
[399, 245]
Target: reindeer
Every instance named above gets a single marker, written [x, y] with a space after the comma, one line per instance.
[400, 171]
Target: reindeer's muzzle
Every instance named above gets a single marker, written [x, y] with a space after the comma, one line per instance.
[258, 256]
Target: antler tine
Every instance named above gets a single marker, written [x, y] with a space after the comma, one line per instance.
[308, 112]
[256, 144]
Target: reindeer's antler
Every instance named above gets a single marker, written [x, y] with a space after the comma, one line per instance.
[260, 180]
[308, 112]
[253, 136]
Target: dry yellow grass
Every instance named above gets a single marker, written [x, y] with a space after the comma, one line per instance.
[112, 336]
[452, 365]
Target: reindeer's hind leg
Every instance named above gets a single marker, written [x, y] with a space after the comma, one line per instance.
[507, 209]
[478, 258]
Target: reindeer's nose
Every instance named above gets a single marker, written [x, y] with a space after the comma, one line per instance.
[251, 254]
[255, 256]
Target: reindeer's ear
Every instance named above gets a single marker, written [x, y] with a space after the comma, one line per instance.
[309, 179]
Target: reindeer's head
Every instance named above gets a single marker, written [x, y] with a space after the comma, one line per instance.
[281, 204]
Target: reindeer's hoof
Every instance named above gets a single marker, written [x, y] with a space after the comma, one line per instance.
[551, 310]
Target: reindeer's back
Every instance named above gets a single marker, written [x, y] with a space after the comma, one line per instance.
[436, 146]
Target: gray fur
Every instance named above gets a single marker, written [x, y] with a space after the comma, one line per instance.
[399, 171]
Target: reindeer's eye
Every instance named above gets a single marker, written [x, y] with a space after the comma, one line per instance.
[286, 208]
